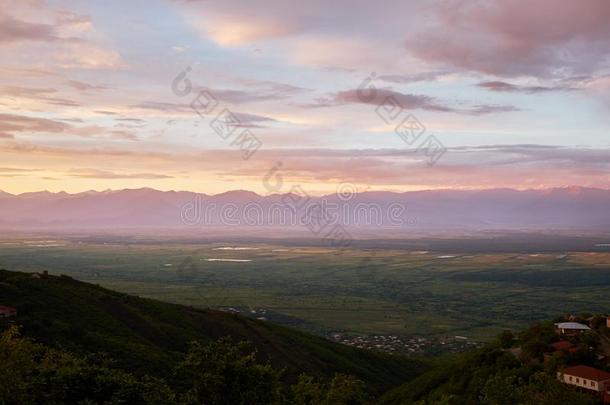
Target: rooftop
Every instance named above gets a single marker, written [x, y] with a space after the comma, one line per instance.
[562, 345]
[587, 372]
[572, 325]
[4, 309]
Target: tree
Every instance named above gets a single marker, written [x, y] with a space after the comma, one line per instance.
[506, 339]
[308, 391]
[539, 389]
[32, 373]
[346, 390]
[220, 373]
[342, 390]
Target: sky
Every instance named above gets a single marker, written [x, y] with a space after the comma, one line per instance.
[211, 96]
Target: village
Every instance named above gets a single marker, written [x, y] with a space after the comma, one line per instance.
[580, 354]
[401, 344]
[393, 344]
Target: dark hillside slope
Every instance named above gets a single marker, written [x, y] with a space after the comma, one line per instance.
[148, 336]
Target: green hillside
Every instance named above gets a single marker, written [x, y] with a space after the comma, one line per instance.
[146, 336]
[513, 369]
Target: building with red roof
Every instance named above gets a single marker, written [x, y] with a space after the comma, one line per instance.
[562, 345]
[587, 378]
[7, 312]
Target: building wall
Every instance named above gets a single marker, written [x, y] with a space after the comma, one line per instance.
[581, 382]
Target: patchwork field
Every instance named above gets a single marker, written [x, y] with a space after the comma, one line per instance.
[384, 289]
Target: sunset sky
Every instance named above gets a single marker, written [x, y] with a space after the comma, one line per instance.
[518, 92]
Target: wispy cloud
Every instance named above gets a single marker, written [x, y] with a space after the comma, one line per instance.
[105, 174]
[11, 124]
[85, 86]
[501, 86]
[406, 101]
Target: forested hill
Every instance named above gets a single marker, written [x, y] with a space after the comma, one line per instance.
[145, 336]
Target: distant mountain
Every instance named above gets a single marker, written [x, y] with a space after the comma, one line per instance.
[493, 209]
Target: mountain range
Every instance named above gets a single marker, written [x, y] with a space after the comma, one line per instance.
[145, 208]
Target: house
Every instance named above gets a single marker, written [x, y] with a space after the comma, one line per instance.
[586, 378]
[571, 328]
[564, 345]
[7, 312]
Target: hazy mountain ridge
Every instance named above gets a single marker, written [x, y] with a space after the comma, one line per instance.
[570, 208]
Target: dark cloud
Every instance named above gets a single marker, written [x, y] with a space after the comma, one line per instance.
[501, 86]
[136, 120]
[82, 86]
[242, 96]
[390, 98]
[13, 30]
[61, 101]
[408, 101]
[163, 106]
[413, 78]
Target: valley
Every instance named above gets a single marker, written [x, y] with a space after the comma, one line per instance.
[437, 289]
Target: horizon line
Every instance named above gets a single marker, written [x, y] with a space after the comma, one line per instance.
[91, 191]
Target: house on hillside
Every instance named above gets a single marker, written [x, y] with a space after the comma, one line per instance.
[7, 312]
[588, 379]
[571, 328]
[564, 345]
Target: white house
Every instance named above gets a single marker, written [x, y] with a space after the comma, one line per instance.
[571, 328]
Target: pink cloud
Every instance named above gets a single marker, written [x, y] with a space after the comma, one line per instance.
[511, 38]
[10, 124]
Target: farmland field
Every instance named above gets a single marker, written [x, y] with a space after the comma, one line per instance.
[374, 288]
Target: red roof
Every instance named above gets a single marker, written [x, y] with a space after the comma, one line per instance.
[562, 345]
[587, 372]
[6, 310]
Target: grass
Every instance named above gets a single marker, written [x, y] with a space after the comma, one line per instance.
[357, 290]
